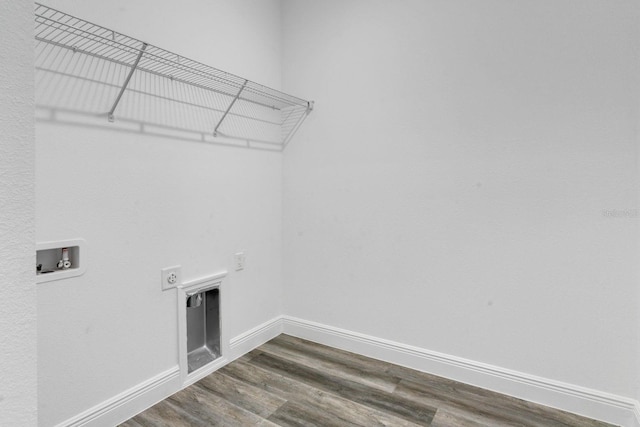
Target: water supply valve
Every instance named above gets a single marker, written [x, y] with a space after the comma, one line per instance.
[64, 263]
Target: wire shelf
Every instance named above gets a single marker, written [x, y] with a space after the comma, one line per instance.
[81, 66]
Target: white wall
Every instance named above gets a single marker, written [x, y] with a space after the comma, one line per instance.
[143, 203]
[448, 190]
[18, 405]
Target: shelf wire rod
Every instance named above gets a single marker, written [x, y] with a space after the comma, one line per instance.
[202, 81]
[56, 30]
[50, 32]
[210, 72]
[215, 131]
[85, 51]
[126, 82]
[102, 45]
[163, 63]
[62, 28]
[103, 49]
[85, 27]
[163, 69]
[190, 69]
[265, 96]
[193, 68]
[70, 48]
[52, 29]
[145, 69]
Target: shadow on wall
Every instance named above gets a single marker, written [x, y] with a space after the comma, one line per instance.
[79, 118]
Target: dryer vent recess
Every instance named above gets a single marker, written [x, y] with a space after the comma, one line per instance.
[203, 328]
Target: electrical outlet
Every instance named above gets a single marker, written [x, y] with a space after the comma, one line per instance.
[171, 277]
[239, 261]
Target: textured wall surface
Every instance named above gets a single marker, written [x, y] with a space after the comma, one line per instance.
[471, 186]
[18, 406]
[143, 203]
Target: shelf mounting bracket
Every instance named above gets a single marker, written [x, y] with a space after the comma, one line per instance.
[126, 82]
[215, 131]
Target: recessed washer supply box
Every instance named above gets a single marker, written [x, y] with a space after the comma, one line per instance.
[48, 254]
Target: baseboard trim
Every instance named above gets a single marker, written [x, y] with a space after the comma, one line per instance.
[247, 341]
[591, 403]
[132, 401]
[146, 394]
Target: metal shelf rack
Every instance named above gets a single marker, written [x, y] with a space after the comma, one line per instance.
[84, 67]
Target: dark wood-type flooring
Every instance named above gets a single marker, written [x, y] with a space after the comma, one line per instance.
[292, 382]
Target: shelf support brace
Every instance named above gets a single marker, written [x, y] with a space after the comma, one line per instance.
[126, 83]
[215, 131]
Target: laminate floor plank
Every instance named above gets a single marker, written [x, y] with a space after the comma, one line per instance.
[247, 396]
[458, 407]
[363, 363]
[211, 410]
[293, 382]
[270, 381]
[292, 390]
[441, 391]
[371, 379]
[489, 406]
[131, 423]
[294, 414]
[447, 391]
[340, 363]
[446, 418]
[166, 414]
[395, 405]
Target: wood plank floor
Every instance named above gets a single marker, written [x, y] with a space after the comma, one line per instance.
[293, 382]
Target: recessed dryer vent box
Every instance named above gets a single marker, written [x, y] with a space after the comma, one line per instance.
[59, 260]
[202, 343]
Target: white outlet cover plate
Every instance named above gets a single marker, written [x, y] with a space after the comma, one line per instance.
[239, 260]
[164, 277]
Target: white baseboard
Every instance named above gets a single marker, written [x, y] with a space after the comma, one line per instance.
[128, 403]
[591, 403]
[146, 394]
[247, 341]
